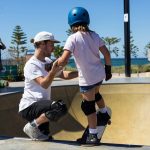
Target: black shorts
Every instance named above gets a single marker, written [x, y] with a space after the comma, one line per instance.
[34, 111]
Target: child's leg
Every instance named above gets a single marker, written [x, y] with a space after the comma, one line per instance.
[100, 102]
[99, 99]
[88, 107]
[101, 116]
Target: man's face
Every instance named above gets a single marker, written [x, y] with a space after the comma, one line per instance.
[48, 48]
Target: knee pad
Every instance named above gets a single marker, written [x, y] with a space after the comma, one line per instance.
[98, 97]
[88, 107]
[57, 110]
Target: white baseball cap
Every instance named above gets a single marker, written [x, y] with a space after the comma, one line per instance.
[42, 36]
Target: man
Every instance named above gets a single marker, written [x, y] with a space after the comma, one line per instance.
[36, 105]
[2, 47]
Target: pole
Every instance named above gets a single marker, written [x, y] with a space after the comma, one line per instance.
[127, 38]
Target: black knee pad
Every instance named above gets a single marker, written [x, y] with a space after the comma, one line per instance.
[57, 110]
[98, 97]
[88, 107]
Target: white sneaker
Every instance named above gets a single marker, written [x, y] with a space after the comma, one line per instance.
[34, 133]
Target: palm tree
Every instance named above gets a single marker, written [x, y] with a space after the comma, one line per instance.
[58, 51]
[147, 51]
[110, 42]
[133, 48]
[69, 32]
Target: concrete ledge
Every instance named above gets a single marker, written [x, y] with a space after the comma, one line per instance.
[27, 144]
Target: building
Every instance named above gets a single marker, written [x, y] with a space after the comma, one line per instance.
[29, 54]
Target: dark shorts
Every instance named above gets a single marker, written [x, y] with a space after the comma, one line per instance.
[84, 89]
[34, 111]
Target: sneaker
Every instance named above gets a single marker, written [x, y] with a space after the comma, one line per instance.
[88, 140]
[102, 120]
[34, 133]
[92, 139]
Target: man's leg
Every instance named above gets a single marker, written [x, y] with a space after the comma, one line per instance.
[37, 120]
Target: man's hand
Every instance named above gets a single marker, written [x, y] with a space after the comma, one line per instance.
[108, 72]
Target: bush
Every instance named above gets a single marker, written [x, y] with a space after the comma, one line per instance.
[134, 68]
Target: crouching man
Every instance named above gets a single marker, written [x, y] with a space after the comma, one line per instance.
[36, 105]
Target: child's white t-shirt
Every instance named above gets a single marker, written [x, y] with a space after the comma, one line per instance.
[33, 92]
[85, 48]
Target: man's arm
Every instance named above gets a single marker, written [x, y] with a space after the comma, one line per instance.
[47, 80]
[68, 75]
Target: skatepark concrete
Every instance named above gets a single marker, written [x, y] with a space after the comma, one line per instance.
[128, 99]
[26, 144]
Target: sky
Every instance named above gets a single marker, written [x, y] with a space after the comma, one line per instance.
[106, 18]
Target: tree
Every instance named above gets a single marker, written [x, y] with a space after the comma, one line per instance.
[133, 48]
[58, 51]
[147, 49]
[19, 39]
[110, 42]
[69, 32]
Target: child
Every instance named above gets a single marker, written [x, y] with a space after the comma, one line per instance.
[85, 45]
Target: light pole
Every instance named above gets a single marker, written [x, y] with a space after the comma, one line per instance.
[127, 38]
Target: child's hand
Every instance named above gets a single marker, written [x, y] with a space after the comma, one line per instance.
[55, 67]
[108, 72]
[61, 62]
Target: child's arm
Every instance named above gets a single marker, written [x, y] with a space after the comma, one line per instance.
[106, 54]
[63, 60]
[107, 58]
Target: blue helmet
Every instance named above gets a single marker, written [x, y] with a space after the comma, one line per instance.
[78, 15]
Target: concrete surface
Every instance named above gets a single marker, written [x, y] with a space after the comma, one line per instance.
[27, 144]
[128, 98]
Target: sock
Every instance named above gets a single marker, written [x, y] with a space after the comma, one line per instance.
[92, 131]
[34, 123]
[103, 110]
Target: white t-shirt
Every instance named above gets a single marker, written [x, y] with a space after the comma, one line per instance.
[85, 48]
[33, 92]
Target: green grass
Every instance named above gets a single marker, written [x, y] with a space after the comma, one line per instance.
[121, 69]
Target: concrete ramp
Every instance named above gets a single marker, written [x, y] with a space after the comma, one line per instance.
[130, 105]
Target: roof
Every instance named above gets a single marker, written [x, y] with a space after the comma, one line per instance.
[30, 52]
